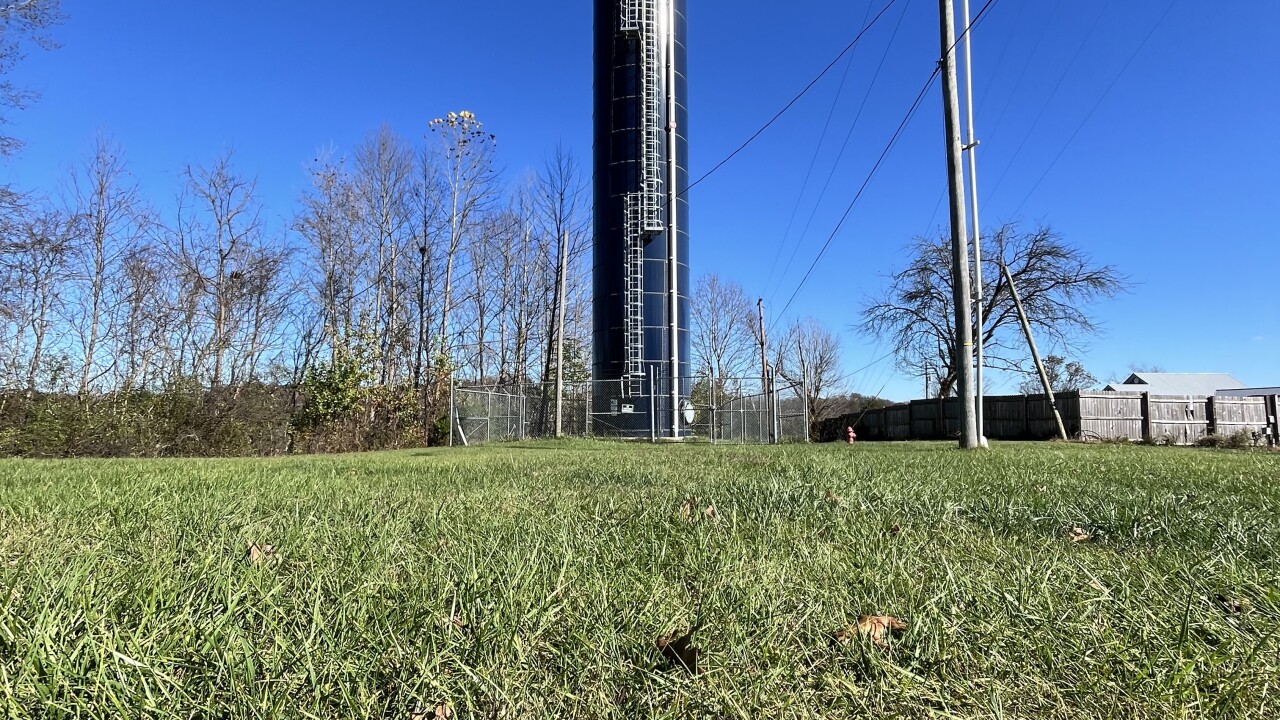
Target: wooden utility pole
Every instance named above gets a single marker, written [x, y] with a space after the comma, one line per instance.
[764, 359]
[561, 272]
[1035, 353]
[969, 438]
[804, 385]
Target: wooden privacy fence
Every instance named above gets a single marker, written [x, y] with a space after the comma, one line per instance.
[1178, 419]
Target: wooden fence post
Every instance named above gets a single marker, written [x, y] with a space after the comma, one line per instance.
[1211, 415]
[1275, 419]
[941, 427]
[1026, 417]
[911, 421]
[1146, 416]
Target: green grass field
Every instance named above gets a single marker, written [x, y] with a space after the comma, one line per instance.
[533, 580]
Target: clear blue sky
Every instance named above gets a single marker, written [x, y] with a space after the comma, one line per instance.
[1172, 179]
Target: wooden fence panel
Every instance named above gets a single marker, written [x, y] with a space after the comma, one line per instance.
[870, 427]
[1087, 415]
[1232, 415]
[925, 419]
[1110, 416]
[1005, 417]
[898, 422]
[1069, 408]
[1040, 422]
[952, 423]
[1184, 419]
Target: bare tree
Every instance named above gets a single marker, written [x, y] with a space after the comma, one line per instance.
[808, 356]
[382, 185]
[463, 157]
[722, 337]
[528, 288]
[431, 224]
[1057, 283]
[35, 269]
[558, 198]
[22, 22]
[148, 318]
[231, 276]
[327, 222]
[110, 223]
[1064, 376]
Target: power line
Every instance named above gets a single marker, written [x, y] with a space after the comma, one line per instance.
[817, 150]
[794, 100]
[1004, 50]
[1048, 101]
[839, 156]
[1000, 116]
[874, 168]
[880, 161]
[1096, 105]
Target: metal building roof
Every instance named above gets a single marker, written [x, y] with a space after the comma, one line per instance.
[1177, 383]
[1248, 392]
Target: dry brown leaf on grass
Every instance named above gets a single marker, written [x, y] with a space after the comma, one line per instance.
[1232, 606]
[833, 498]
[710, 513]
[876, 628]
[679, 651]
[687, 508]
[895, 530]
[261, 552]
[1079, 535]
[459, 623]
[440, 712]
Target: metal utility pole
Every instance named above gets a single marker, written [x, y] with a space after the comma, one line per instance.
[1035, 353]
[561, 272]
[673, 225]
[971, 147]
[959, 236]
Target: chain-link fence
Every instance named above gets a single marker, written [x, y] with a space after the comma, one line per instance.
[701, 409]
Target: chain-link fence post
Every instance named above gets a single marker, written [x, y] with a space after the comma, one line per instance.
[521, 416]
[488, 416]
[452, 411]
[711, 412]
[653, 413]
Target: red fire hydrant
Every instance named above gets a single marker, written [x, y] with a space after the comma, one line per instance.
[850, 435]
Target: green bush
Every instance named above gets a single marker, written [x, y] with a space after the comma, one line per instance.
[1235, 441]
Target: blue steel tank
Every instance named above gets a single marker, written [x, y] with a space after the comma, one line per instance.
[640, 268]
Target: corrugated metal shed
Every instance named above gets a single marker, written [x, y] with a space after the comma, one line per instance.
[1201, 384]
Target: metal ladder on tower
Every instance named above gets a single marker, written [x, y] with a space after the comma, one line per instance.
[634, 289]
[643, 209]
